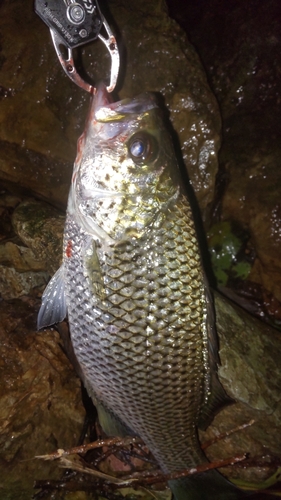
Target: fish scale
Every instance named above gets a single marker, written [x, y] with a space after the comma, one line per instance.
[127, 326]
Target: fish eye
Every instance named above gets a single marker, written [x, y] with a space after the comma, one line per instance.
[142, 148]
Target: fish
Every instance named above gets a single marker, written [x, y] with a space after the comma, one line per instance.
[133, 288]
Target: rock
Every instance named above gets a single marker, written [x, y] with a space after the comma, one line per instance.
[40, 226]
[7, 204]
[250, 354]
[36, 385]
[20, 258]
[243, 64]
[24, 268]
[14, 284]
[37, 154]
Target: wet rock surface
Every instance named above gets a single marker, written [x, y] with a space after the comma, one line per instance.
[27, 259]
[239, 44]
[39, 226]
[43, 113]
[250, 373]
[36, 384]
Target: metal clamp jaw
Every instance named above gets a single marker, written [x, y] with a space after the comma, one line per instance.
[74, 23]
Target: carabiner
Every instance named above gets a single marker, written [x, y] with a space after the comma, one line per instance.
[68, 64]
[74, 23]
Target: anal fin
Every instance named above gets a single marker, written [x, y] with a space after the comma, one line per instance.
[110, 424]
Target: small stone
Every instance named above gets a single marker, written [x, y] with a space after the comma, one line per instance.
[14, 284]
[40, 227]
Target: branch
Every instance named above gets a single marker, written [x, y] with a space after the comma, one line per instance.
[120, 442]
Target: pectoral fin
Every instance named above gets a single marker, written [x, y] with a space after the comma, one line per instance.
[53, 307]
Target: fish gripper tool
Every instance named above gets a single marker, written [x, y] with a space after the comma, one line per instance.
[74, 23]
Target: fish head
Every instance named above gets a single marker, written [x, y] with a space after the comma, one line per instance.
[125, 174]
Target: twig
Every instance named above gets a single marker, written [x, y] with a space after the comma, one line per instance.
[147, 477]
[134, 480]
[103, 456]
[80, 467]
[90, 446]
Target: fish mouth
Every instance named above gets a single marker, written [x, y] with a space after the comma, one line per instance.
[105, 110]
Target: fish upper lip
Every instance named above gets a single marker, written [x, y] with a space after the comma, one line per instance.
[102, 97]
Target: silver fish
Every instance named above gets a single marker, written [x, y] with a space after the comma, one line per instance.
[133, 287]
